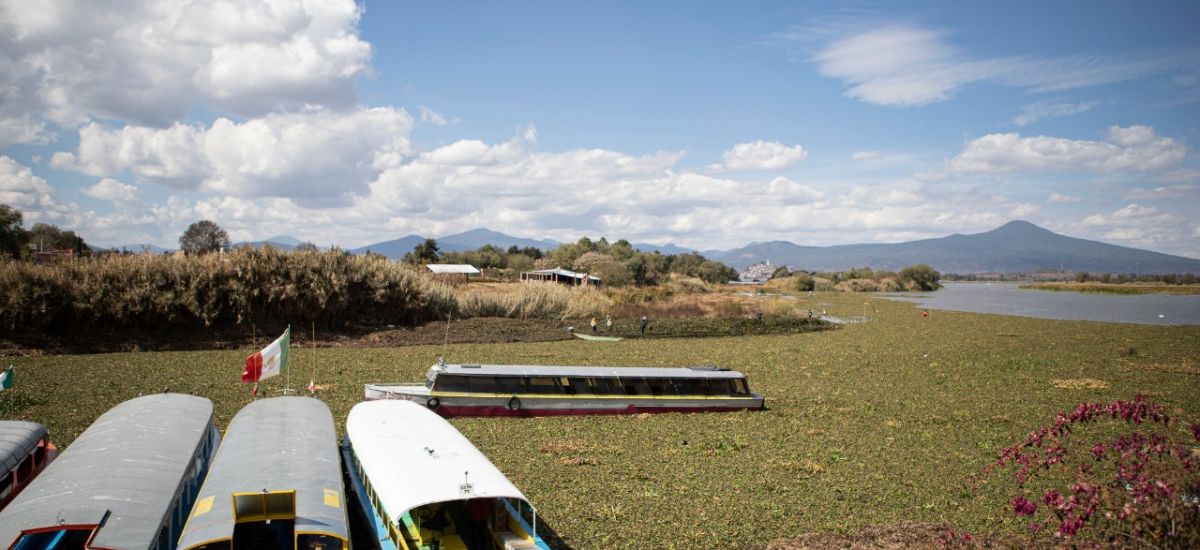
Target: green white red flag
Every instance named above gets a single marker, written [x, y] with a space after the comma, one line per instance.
[271, 361]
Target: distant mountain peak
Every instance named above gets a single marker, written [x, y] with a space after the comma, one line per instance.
[284, 239]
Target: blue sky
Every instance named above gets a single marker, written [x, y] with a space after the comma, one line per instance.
[708, 126]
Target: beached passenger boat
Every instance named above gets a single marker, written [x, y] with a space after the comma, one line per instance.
[275, 484]
[424, 486]
[25, 451]
[526, 390]
[126, 482]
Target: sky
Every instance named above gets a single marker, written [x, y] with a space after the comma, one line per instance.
[707, 125]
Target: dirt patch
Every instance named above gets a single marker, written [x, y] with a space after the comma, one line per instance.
[1079, 384]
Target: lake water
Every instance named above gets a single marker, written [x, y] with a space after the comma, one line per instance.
[1008, 299]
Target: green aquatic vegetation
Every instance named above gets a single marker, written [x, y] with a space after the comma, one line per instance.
[875, 423]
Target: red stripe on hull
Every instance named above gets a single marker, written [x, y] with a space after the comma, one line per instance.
[451, 411]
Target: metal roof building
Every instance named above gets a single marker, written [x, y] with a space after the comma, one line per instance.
[453, 269]
[560, 275]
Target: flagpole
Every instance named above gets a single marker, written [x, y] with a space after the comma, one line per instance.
[288, 377]
[313, 379]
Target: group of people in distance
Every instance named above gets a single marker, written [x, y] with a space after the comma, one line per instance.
[608, 324]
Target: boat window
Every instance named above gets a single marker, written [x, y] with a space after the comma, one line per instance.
[740, 385]
[485, 384]
[636, 386]
[310, 541]
[450, 382]
[219, 545]
[567, 387]
[6, 485]
[25, 470]
[543, 384]
[581, 386]
[510, 384]
[39, 454]
[687, 386]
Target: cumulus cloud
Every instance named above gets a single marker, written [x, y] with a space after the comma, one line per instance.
[1164, 192]
[763, 155]
[150, 63]
[313, 154]
[1037, 111]
[32, 194]
[1059, 198]
[1135, 148]
[904, 64]
[1136, 225]
[865, 155]
[112, 190]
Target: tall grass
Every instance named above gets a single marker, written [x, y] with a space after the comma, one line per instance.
[533, 300]
[244, 286]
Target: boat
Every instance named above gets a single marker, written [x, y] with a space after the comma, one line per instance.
[276, 482]
[25, 450]
[424, 486]
[530, 390]
[126, 482]
[594, 338]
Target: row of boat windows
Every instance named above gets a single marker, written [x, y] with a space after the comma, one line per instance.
[573, 385]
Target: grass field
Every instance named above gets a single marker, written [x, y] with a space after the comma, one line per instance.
[871, 424]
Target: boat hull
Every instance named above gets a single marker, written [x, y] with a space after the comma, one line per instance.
[460, 405]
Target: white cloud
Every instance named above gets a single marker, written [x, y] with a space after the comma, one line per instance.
[1058, 198]
[314, 154]
[904, 64]
[865, 155]
[31, 194]
[1137, 225]
[112, 190]
[150, 63]
[763, 155]
[1135, 148]
[432, 117]
[1164, 192]
[1036, 111]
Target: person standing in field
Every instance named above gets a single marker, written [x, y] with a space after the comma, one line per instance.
[594, 331]
[608, 322]
[642, 325]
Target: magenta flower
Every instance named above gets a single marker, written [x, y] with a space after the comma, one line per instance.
[1022, 506]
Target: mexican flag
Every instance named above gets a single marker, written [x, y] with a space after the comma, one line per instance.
[272, 360]
[6, 379]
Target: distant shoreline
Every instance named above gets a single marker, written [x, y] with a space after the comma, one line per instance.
[1109, 288]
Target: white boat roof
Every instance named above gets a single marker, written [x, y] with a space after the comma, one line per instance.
[413, 457]
[606, 372]
[18, 438]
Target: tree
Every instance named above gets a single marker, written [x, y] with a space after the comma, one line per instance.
[781, 271]
[203, 237]
[920, 277]
[424, 253]
[306, 247]
[12, 236]
[49, 237]
[805, 282]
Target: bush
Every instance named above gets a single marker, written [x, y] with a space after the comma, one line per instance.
[920, 277]
[1140, 488]
[805, 282]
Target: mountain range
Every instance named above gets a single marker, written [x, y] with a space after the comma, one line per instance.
[1015, 247]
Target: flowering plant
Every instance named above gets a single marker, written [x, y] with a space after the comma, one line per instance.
[1140, 487]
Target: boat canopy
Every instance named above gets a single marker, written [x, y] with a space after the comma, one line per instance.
[18, 438]
[123, 473]
[279, 460]
[413, 457]
[588, 372]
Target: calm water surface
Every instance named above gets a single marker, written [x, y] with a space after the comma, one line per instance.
[1008, 299]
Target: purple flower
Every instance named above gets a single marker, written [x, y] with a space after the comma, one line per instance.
[1022, 506]
[1196, 431]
